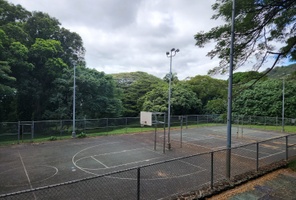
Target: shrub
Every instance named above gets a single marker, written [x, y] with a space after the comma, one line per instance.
[52, 138]
[81, 135]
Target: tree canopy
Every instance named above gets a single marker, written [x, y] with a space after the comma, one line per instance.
[263, 28]
[134, 85]
[37, 58]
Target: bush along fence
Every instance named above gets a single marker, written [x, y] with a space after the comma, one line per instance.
[32, 130]
[170, 179]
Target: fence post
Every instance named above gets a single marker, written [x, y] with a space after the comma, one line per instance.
[242, 128]
[18, 131]
[32, 130]
[138, 182]
[61, 129]
[287, 148]
[22, 132]
[186, 121]
[181, 133]
[212, 169]
[257, 156]
[107, 124]
[126, 125]
[155, 128]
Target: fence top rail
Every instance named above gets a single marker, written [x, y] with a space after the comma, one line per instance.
[215, 115]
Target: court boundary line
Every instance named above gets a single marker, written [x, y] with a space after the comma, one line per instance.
[85, 169]
[270, 155]
[164, 178]
[93, 157]
[260, 158]
[39, 181]
[115, 166]
[89, 171]
[27, 175]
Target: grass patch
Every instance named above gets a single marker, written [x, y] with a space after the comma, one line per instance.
[81, 135]
[52, 138]
[130, 130]
[288, 129]
[292, 165]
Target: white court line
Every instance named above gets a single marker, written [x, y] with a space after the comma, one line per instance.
[104, 154]
[110, 167]
[27, 175]
[193, 144]
[162, 178]
[193, 138]
[268, 154]
[272, 154]
[99, 162]
[117, 152]
[197, 166]
[255, 151]
[244, 156]
[198, 139]
[135, 162]
[115, 166]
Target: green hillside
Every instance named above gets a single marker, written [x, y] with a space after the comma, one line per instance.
[281, 71]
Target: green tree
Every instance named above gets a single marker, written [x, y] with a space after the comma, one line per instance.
[260, 27]
[240, 78]
[216, 106]
[7, 91]
[174, 79]
[6, 80]
[135, 85]
[207, 89]
[38, 52]
[96, 95]
[10, 13]
[265, 99]
[183, 100]
[41, 25]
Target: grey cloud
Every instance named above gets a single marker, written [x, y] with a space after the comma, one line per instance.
[133, 35]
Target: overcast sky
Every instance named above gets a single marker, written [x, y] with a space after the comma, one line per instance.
[134, 35]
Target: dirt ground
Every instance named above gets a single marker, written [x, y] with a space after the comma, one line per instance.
[279, 184]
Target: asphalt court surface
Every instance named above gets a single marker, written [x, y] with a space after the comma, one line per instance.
[28, 166]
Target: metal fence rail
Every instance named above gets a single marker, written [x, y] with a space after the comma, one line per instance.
[30, 130]
[168, 178]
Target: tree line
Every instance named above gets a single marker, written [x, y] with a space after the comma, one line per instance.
[37, 59]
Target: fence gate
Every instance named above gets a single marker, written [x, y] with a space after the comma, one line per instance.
[26, 130]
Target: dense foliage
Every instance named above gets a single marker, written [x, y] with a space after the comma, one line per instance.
[263, 29]
[37, 56]
[135, 85]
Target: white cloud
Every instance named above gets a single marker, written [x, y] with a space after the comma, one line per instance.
[134, 35]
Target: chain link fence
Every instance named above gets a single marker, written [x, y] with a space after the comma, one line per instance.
[33, 130]
[167, 179]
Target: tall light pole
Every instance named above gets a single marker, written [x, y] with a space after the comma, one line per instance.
[170, 55]
[229, 109]
[74, 102]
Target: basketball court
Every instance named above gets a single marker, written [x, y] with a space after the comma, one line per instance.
[28, 166]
